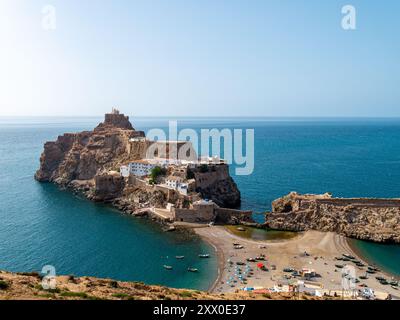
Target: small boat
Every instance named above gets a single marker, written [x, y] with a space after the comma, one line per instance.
[373, 268]
[180, 257]
[395, 288]
[168, 267]
[204, 255]
[193, 269]
[240, 229]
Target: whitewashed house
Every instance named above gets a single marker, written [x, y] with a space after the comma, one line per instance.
[141, 168]
[173, 182]
[183, 188]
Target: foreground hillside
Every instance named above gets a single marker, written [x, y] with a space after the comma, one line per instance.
[27, 286]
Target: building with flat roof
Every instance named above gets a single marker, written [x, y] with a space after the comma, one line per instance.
[139, 168]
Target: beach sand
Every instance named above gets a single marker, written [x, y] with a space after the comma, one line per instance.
[322, 248]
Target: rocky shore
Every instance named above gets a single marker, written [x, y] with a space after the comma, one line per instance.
[369, 219]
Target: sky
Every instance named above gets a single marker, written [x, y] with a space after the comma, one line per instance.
[208, 58]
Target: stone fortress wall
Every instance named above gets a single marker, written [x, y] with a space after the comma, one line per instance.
[363, 218]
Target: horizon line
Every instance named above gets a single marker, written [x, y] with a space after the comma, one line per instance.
[204, 117]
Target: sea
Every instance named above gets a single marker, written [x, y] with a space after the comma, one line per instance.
[41, 224]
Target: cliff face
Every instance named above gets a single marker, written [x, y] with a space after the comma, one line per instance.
[81, 156]
[217, 185]
[368, 219]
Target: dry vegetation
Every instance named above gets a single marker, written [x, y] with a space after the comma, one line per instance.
[27, 286]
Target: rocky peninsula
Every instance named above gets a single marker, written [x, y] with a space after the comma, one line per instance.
[369, 219]
[109, 164]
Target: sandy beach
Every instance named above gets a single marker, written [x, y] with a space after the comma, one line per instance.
[321, 249]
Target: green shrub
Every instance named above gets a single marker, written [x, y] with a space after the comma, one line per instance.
[155, 173]
[204, 168]
[185, 294]
[4, 285]
[82, 295]
[189, 174]
[29, 274]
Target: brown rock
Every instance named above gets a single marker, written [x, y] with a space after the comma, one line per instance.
[368, 219]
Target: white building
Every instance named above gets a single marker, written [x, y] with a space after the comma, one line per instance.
[183, 188]
[141, 168]
[138, 139]
[173, 182]
[138, 168]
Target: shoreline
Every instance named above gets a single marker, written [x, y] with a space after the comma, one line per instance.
[367, 261]
[322, 247]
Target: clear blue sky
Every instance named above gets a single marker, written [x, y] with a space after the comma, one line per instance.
[200, 58]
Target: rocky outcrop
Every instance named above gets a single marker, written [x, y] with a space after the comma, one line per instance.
[362, 218]
[108, 187]
[115, 120]
[89, 162]
[216, 184]
[83, 155]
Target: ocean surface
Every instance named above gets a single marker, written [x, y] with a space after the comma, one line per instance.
[40, 224]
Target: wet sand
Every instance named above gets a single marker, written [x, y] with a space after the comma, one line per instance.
[322, 249]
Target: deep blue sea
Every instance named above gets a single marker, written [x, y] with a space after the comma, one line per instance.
[40, 224]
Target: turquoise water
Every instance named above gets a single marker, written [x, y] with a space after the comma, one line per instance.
[385, 256]
[40, 224]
